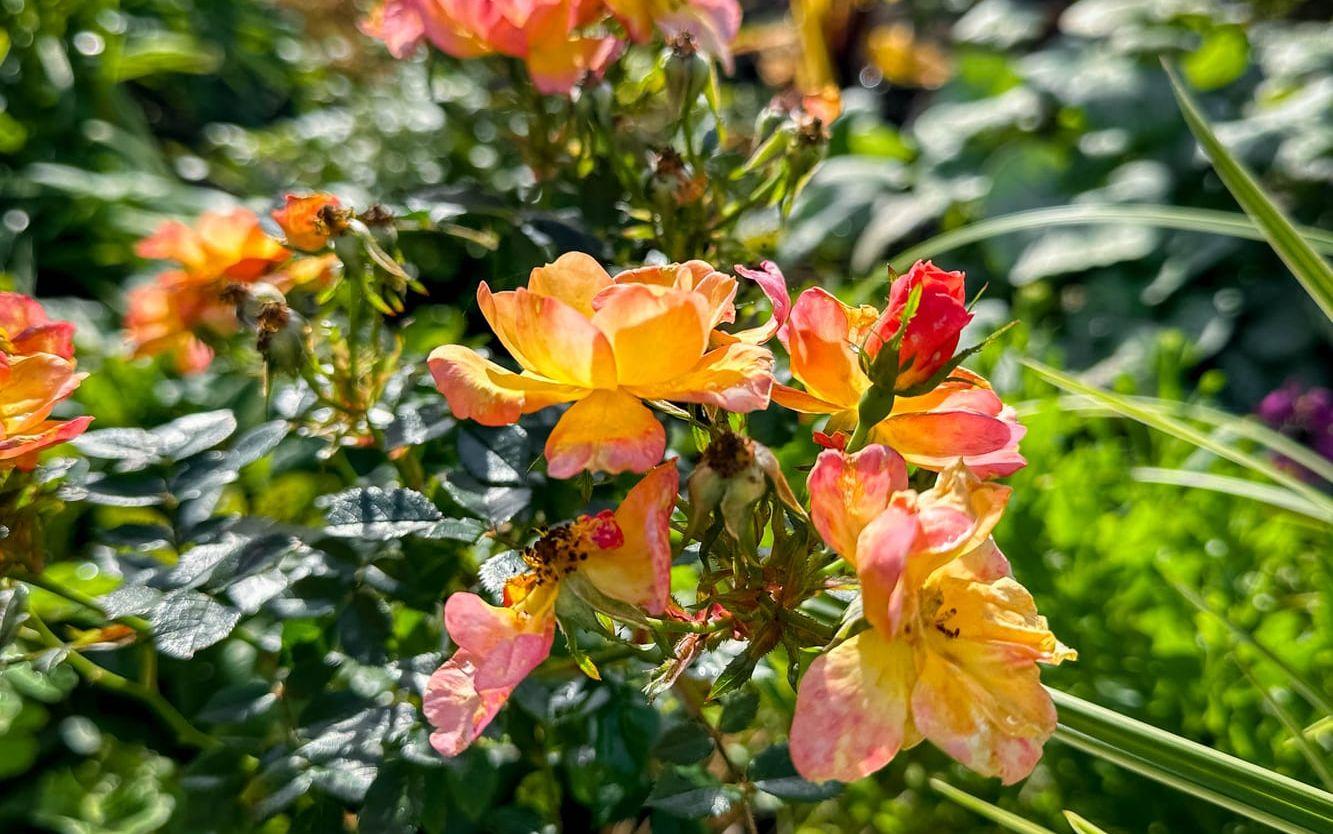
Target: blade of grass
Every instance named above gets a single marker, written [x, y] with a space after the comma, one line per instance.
[1305, 263]
[1265, 493]
[1005, 819]
[1307, 690]
[1229, 223]
[1244, 788]
[1245, 427]
[1183, 431]
[1080, 825]
[1312, 755]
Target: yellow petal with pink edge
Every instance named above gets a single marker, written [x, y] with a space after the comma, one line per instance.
[852, 709]
[608, 431]
[506, 643]
[639, 571]
[456, 710]
[983, 709]
[805, 403]
[993, 609]
[548, 337]
[942, 435]
[657, 333]
[882, 551]
[964, 392]
[822, 336]
[737, 377]
[574, 278]
[483, 391]
[558, 64]
[22, 449]
[31, 389]
[717, 288]
[848, 491]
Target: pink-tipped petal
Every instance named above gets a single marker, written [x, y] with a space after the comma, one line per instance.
[848, 491]
[852, 709]
[774, 285]
[483, 391]
[639, 570]
[608, 431]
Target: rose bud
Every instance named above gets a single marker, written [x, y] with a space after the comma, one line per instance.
[309, 221]
[733, 474]
[933, 327]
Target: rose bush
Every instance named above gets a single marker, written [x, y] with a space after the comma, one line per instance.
[386, 569]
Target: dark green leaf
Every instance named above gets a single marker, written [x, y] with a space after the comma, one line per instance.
[188, 621]
[394, 801]
[772, 771]
[380, 514]
[684, 743]
[495, 455]
[693, 796]
[13, 611]
[738, 711]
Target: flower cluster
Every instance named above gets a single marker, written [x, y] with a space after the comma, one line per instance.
[37, 373]
[180, 309]
[562, 42]
[947, 644]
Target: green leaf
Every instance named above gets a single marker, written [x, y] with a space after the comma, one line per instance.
[1176, 428]
[1307, 690]
[1005, 819]
[380, 514]
[495, 455]
[693, 796]
[1080, 825]
[1209, 221]
[1241, 488]
[137, 449]
[13, 611]
[1296, 252]
[1230, 424]
[772, 772]
[1243, 788]
[684, 743]
[394, 801]
[187, 621]
[1313, 756]
[738, 711]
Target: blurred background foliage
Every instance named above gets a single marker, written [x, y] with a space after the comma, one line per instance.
[115, 115]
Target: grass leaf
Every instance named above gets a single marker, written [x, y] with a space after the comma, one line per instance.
[1126, 407]
[1239, 786]
[1240, 487]
[1005, 819]
[1210, 221]
[1296, 252]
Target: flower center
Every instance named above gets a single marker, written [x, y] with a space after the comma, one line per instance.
[559, 550]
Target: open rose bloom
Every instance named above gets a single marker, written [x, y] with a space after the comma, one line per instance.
[168, 314]
[960, 417]
[953, 642]
[561, 42]
[37, 372]
[625, 554]
[606, 345]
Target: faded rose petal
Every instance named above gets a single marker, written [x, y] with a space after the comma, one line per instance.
[848, 491]
[851, 714]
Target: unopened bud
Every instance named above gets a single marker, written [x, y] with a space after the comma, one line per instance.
[733, 473]
[686, 70]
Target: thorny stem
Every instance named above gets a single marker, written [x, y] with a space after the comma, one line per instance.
[106, 679]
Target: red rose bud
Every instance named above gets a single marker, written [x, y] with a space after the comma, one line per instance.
[932, 329]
